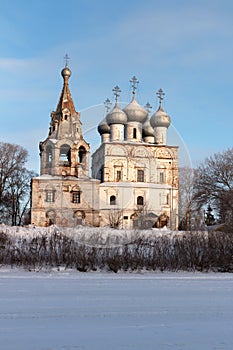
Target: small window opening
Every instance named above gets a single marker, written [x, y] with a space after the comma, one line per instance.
[161, 177]
[65, 153]
[49, 154]
[76, 196]
[112, 200]
[140, 200]
[134, 133]
[81, 154]
[118, 175]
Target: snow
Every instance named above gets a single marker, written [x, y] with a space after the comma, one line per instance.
[68, 310]
[96, 236]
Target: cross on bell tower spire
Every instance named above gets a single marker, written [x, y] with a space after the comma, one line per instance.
[66, 58]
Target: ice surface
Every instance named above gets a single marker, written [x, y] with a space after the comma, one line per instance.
[68, 310]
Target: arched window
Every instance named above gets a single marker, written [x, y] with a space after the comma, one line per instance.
[140, 200]
[134, 133]
[112, 200]
[49, 156]
[82, 154]
[51, 217]
[65, 153]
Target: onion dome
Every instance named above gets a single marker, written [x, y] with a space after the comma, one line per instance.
[160, 118]
[147, 129]
[116, 116]
[66, 72]
[135, 112]
[103, 127]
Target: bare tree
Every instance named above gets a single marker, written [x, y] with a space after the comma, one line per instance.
[15, 182]
[115, 218]
[190, 214]
[214, 185]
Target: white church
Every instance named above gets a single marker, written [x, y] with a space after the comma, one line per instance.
[134, 180]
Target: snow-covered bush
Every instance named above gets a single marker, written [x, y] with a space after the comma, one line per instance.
[91, 249]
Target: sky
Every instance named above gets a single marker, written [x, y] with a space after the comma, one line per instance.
[183, 47]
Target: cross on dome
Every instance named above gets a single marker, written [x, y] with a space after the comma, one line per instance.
[160, 95]
[116, 91]
[148, 107]
[108, 105]
[134, 84]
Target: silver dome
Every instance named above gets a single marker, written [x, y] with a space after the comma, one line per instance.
[103, 127]
[116, 116]
[135, 112]
[147, 129]
[160, 118]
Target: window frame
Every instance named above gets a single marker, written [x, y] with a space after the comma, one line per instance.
[140, 175]
[50, 196]
[76, 197]
[118, 175]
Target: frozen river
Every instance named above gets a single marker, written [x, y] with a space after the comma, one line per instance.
[100, 311]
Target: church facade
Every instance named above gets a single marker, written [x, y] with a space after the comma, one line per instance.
[134, 180]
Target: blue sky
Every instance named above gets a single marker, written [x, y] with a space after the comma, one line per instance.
[184, 47]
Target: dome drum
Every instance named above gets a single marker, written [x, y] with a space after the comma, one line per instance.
[133, 132]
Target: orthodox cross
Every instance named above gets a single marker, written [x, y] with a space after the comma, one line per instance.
[134, 83]
[148, 107]
[116, 92]
[160, 95]
[107, 104]
[66, 58]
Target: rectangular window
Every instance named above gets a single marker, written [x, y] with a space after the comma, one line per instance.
[140, 176]
[161, 177]
[50, 196]
[76, 197]
[118, 175]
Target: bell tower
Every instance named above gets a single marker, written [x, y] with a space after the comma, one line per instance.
[65, 152]
[64, 194]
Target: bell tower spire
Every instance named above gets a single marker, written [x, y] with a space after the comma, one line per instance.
[65, 152]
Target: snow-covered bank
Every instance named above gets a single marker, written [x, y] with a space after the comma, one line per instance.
[96, 311]
[91, 249]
